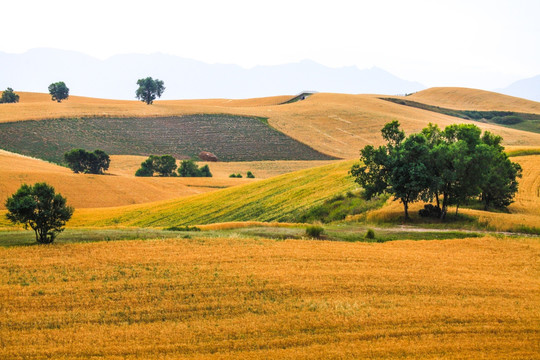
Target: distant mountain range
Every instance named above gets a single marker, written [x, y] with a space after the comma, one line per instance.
[526, 88]
[115, 77]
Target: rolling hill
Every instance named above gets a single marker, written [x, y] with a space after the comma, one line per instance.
[474, 99]
[335, 124]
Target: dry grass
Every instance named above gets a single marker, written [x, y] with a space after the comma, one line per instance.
[93, 191]
[473, 99]
[257, 299]
[126, 165]
[335, 124]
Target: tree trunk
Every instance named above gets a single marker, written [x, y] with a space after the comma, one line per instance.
[437, 198]
[406, 208]
[444, 206]
[457, 207]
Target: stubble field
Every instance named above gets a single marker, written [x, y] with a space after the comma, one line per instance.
[241, 298]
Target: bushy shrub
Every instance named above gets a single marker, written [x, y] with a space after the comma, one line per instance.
[235, 175]
[250, 175]
[82, 161]
[430, 210]
[314, 231]
[183, 228]
[370, 234]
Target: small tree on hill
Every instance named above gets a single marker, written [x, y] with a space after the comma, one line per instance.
[149, 89]
[82, 161]
[8, 96]
[164, 165]
[39, 208]
[59, 91]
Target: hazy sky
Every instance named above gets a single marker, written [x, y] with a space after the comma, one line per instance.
[483, 44]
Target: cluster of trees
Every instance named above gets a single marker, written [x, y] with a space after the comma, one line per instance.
[449, 166]
[82, 161]
[8, 96]
[188, 168]
[165, 165]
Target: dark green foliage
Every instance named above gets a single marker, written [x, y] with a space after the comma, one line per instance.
[183, 228]
[507, 120]
[8, 96]
[188, 168]
[59, 91]
[314, 231]
[235, 176]
[250, 175]
[164, 166]
[82, 161]
[456, 163]
[149, 89]
[232, 137]
[39, 208]
[370, 234]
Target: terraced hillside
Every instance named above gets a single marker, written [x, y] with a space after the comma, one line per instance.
[334, 124]
[231, 138]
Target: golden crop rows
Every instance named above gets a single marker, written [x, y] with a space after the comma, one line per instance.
[259, 299]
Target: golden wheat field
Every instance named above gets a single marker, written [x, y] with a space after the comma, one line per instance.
[92, 191]
[335, 124]
[262, 299]
[473, 99]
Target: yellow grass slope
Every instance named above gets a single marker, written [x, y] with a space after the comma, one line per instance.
[265, 200]
[261, 299]
[473, 99]
[335, 124]
[83, 191]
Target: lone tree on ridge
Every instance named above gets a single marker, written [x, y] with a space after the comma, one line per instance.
[8, 96]
[149, 89]
[59, 91]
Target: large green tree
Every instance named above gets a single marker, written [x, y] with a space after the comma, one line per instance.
[59, 91]
[457, 164]
[41, 209]
[149, 89]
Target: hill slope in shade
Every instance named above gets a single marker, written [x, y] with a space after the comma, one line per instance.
[473, 99]
[116, 77]
[525, 88]
[266, 200]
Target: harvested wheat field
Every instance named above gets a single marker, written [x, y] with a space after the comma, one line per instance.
[334, 124]
[473, 99]
[126, 165]
[96, 191]
[261, 299]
